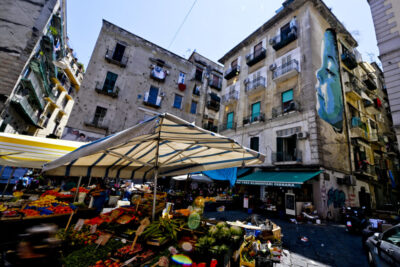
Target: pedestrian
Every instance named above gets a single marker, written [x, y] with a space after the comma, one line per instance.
[99, 195]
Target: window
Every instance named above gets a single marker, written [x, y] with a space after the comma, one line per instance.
[285, 30]
[216, 79]
[118, 52]
[392, 236]
[229, 120]
[109, 83]
[286, 148]
[234, 63]
[199, 74]
[254, 143]
[255, 111]
[258, 49]
[196, 90]
[99, 115]
[65, 102]
[287, 101]
[177, 101]
[181, 78]
[193, 107]
[286, 61]
[152, 96]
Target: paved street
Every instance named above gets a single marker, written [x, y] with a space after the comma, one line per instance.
[328, 245]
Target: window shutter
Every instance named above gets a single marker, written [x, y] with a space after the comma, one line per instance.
[287, 96]
[264, 43]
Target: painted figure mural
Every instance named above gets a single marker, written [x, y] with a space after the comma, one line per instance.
[329, 91]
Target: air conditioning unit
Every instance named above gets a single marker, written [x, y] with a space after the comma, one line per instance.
[340, 180]
[162, 94]
[58, 131]
[247, 80]
[302, 135]
[272, 67]
[272, 41]
[205, 116]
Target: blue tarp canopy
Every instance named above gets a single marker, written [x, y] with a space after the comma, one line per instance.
[227, 174]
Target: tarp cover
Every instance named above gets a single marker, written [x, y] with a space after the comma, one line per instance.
[228, 174]
[32, 152]
[132, 153]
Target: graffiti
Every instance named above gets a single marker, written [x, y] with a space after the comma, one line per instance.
[336, 197]
[329, 91]
[350, 201]
[323, 193]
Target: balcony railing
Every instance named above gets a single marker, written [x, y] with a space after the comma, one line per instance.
[216, 84]
[101, 90]
[232, 72]
[349, 59]
[22, 104]
[227, 126]
[353, 90]
[365, 168]
[255, 57]
[358, 129]
[257, 83]
[369, 81]
[109, 56]
[260, 117]
[230, 96]
[213, 105]
[287, 70]
[158, 74]
[210, 127]
[96, 124]
[280, 41]
[296, 156]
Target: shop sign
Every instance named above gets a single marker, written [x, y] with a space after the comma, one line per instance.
[280, 184]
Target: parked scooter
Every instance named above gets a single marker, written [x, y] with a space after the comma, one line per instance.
[355, 219]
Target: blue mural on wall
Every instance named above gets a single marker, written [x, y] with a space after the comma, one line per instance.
[329, 89]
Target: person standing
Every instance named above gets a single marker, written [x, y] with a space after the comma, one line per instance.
[99, 195]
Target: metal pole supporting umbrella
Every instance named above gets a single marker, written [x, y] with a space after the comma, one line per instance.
[156, 172]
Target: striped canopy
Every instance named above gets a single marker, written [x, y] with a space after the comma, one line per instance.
[32, 152]
[174, 145]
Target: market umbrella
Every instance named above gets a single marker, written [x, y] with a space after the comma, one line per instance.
[194, 178]
[164, 145]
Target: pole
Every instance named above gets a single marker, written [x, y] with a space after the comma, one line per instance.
[8, 182]
[90, 179]
[77, 188]
[156, 173]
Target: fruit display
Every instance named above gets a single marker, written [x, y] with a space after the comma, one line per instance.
[48, 205]
[107, 263]
[126, 252]
[80, 190]
[30, 213]
[56, 194]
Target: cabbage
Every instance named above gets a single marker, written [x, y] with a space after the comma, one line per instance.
[213, 230]
[236, 230]
[221, 224]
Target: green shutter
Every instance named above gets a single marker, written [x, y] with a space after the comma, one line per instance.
[287, 96]
[255, 110]
[229, 120]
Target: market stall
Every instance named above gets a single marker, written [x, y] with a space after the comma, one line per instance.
[162, 146]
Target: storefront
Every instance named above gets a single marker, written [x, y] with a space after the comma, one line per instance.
[282, 192]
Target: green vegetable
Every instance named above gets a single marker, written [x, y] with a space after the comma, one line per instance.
[236, 230]
[213, 231]
[221, 224]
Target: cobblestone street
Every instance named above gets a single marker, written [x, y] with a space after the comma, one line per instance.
[328, 244]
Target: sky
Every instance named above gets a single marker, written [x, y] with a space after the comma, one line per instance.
[212, 28]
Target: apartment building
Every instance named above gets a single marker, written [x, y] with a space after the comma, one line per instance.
[289, 90]
[386, 17]
[39, 74]
[130, 79]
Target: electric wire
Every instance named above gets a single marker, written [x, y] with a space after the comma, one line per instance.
[183, 22]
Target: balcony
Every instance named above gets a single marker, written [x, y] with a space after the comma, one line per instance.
[286, 71]
[230, 96]
[154, 102]
[358, 129]
[232, 72]
[287, 158]
[349, 59]
[257, 56]
[257, 83]
[213, 105]
[108, 92]
[373, 136]
[96, 124]
[158, 74]
[210, 127]
[353, 91]
[292, 107]
[215, 83]
[227, 126]
[111, 58]
[371, 108]
[25, 109]
[369, 81]
[35, 90]
[365, 169]
[260, 117]
[281, 41]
